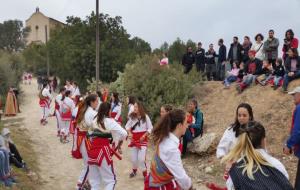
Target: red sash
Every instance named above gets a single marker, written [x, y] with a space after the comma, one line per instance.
[113, 115]
[100, 149]
[56, 106]
[44, 102]
[66, 113]
[135, 141]
[79, 137]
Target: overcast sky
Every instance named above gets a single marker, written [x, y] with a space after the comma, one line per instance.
[157, 21]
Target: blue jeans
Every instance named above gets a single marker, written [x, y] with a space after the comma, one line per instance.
[4, 163]
[249, 79]
[287, 79]
[230, 80]
[277, 80]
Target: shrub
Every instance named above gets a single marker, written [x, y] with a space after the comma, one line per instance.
[155, 85]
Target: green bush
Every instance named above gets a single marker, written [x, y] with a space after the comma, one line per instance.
[156, 85]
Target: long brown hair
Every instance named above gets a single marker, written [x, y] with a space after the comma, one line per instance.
[87, 102]
[167, 124]
[142, 112]
[250, 139]
[103, 112]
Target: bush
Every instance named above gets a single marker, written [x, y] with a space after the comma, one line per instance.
[155, 85]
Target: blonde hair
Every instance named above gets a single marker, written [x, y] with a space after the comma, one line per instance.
[248, 141]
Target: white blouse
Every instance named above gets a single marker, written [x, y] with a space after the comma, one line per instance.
[117, 109]
[258, 48]
[170, 155]
[142, 127]
[226, 143]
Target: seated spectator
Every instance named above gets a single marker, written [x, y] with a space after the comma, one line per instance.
[5, 177]
[253, 168]
[278, 73]
[265, 74]
[14, 155]
[253, 68]
[232, 75]
[165, 109]
[197, 126]
[289, 42]
[292, 66]
[242, 72]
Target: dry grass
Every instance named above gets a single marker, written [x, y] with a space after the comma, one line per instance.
[21, 138]
[272, 108]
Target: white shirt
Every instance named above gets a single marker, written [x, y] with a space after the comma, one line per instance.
[273, 161]
[58, 99]
[170, 155]
[117, 109]
[144, 126]
[67, 102]
[226, 143]
[75, 111]
[258, 48]
[76, 92]
[118, 133]
[46, 93]
[131, 109]
[89, 116]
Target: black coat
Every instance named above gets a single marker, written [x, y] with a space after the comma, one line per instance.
[239, 52]
[188, 59]
[288, 63]
[258, 63]
[279, 71]
[222, 54]
[200, 56]
[210, 57]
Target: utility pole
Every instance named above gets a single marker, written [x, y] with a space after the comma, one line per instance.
[97, 45]
[47, 53]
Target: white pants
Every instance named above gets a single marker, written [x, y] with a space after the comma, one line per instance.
[58, 119]
[65, 127]
[103, 174]
[84, 171]
[138, 158]
[45, 112]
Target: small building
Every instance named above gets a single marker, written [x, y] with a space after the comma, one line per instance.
[40, 27]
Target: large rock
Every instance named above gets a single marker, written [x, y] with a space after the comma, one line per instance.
[202, 145]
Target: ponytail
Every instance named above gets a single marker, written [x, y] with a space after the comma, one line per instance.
[167, 124]
[103, 112]
[249, 140]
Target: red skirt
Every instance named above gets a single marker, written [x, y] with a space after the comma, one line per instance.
[172, 185]
[100, 149]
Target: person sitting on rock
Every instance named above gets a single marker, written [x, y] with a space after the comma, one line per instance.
[232, 75]
[253, 68]
[292, 66]
[197, 126]
[250, 166]
[265, 74]
[5, 175]
[14, 155]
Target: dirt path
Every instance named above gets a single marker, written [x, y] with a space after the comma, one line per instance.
[58, 170]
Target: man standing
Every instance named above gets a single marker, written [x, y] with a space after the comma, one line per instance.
[200, 58]
[293, 143]
[235, 51]
[271, 48]
[188, 60]
[210, 56]
[221, 60]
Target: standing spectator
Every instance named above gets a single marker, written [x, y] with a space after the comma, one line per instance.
[271, 48]
[293, 143]
[246, 47]
[210, 56]
[164, 61]
[278, 73]
[188, 60]
[258, 47]
[289, 42]
[292, 66]
[235, 51]
[200, 58]
[221, 60]
[253, 68]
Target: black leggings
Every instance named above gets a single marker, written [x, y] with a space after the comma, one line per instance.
[185, 139]
[15, 157]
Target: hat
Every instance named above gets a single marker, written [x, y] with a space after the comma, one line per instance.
[5, 131]
[296, 90]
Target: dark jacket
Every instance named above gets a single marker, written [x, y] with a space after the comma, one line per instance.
[288, 66]
[245, 51]
[210, 57]
[239, 52]
[198, 119]
[222, 54]
[200, 56]
[241, 74]
[254, 67]
[279, 71]
[188, 59]
[294, 140]
[265, 71]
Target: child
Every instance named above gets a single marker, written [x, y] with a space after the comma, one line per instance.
[139, 126]
[266, 73]
[278, 73]
[253, 167]
[232, 75]
[242, 72]
[166, 170]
